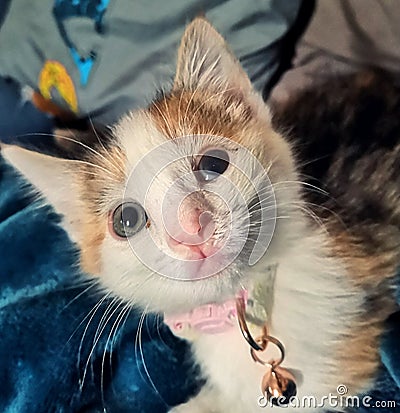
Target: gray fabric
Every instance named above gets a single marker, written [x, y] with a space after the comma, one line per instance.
[136, 44]
[344, 36]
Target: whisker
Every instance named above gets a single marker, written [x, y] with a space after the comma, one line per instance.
[84, 319]
[109, 172]
[97, 153]
[104, 321]
[109, 345]
[96, 134]
[138, 344]
[92, 285]
[118, 325]
[90, 315]
[112, 176]
[304, 184]
[158, 324]
[140, 329]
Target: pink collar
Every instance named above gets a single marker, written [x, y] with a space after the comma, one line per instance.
[209, 318]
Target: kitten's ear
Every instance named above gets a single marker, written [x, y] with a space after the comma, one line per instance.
[54, 178]
[205, 61]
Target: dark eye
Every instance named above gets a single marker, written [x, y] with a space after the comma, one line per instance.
[212, 164]
[128, 219]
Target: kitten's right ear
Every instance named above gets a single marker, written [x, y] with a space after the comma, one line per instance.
[54, 178]
[205, 61]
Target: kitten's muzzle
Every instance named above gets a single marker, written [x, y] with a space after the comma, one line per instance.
[194, 237]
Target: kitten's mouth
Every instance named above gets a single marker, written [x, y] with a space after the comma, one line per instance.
[194, 237]
[198, 261]
[193, 252]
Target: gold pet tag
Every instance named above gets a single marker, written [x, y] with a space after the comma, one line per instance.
[278, 385]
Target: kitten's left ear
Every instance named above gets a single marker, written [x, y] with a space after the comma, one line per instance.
[54, 179]
[205, 62]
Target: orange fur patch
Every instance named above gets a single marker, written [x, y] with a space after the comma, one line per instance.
[97, 193]
[227, 115]
[189, 113]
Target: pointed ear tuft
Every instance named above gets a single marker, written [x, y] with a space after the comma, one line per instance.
[54, 178]
[205, 61]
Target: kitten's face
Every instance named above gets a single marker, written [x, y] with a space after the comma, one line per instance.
[183, 201]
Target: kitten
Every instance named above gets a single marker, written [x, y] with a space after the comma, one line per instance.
[197, 198]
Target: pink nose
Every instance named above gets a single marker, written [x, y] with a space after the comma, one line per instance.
[193, 240]
[194, 221]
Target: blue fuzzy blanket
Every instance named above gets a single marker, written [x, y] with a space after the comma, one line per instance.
[57, 354]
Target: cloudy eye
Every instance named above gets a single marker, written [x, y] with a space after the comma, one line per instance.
[127, 219]
[212, 164]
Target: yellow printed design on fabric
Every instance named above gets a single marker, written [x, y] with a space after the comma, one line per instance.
[54, 75]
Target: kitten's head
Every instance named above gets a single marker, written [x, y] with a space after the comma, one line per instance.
[175, 207]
